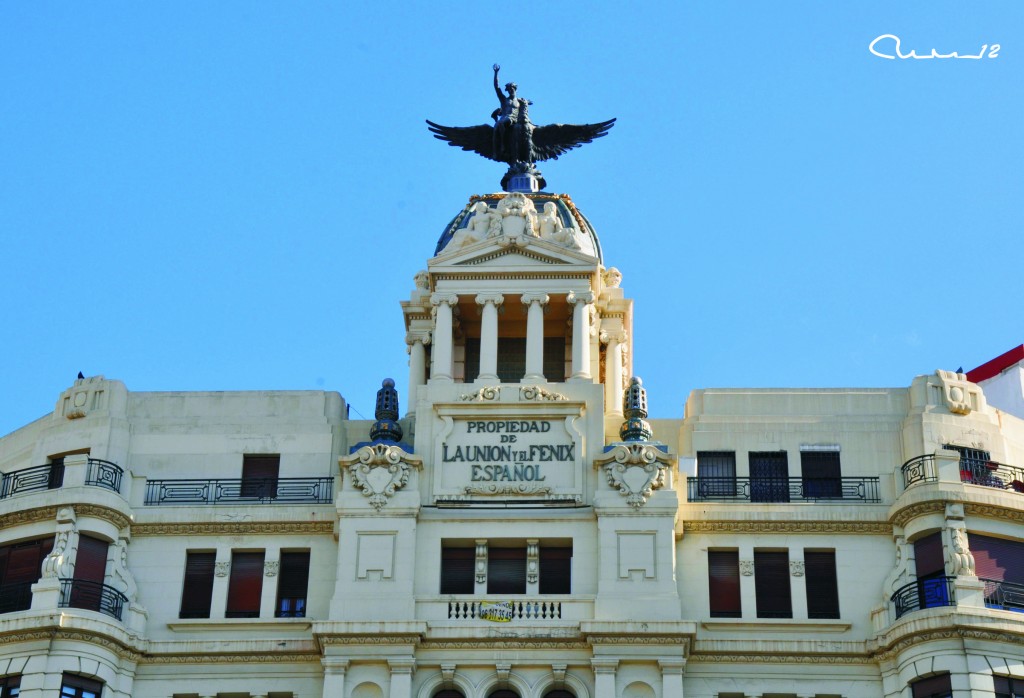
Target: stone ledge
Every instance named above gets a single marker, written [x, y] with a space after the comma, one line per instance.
[792, 626]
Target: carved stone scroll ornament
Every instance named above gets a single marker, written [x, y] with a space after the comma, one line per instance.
[747, 568]
[59, 564]
[380, 470]
[540, 393]
[121, 577]
[636, 470]
[961, 558]
[488, 392]
[506, 489]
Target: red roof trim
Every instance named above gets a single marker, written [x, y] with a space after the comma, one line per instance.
[996, 365]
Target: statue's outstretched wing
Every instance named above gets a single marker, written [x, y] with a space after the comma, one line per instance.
[551, 141]
[479, 139]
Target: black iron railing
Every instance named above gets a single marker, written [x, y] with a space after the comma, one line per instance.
[783, 489]
[992, 474]
[284, 490]
[103, 473]
[919, 469]
[931, 592]
[15, 597]
[39, 477]
[502, 611]
[92, 596]
[1005, 595]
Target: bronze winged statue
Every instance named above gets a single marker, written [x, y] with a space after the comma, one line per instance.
[515, 140]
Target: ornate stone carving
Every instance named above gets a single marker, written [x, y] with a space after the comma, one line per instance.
[960, 394]
[60, 563]
[482, 224]
[221, 569]
[635, 469]
[480, 565]
[488, 392]
[519, 488]
[235, 528]
[271, 568]
[612, 277]
[747, 568]
[902, 571]
[831, 527]
[539, 394]
[422, 280]
[961, 558]
[380, 470]
[550, 228]
[121, 577]
[532, 560]
[796, 568]
[518, 215]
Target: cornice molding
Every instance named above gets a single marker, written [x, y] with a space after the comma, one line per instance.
[935, 506]
[234, 528]
[28, 516]
[49, 513]
[277, 658]
[779, 658]
[994, 511]
[833, 527]
[888, 652]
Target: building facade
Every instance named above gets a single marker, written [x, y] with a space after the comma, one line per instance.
[519, 528]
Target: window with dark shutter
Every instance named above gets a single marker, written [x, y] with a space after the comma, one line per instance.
[938, 686]
[503, 693]
[56, 477]
[292, 585]
[820, 475]
[450, 693]
[472, 359]
[506, 570]
[822, 584]
[716, 473]
[769, 476]
[90, 571]
[10, 686]
[259, 475]
[457, 570]
[997, 559]
[1008, 687]
[21, 566]
[75, 686]
[724, 583]
[555, 570]
[197, 591]
[771, 584]
[511, 359]
[928, 556]
[554, 359]
[245, 585]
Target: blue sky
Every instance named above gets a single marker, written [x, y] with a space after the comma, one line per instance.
[236, 195]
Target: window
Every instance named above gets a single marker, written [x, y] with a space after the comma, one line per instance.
[10, 686]
[86, 591]
[771, 584]
[822, 584]
[74, 686]
[457, 570]
[999, 563]
[259, 475]
[716, 473]
[555, 570]
[21, 565]
[724, 583]
[938, 686]
[449, 693]
[974, 465]
[931, 570]
[245, 586]
[769, 476]
[1008, 687]
[820, 473]
[56, 477]
[292, 584]
[197, 591]
[506, 570]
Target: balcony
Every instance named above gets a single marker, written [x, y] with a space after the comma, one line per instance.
[103, 473]
[505, 611]
[973, 471]
[92, 596]
[1003, 595]
[783, 489]
[284, 490]
[15, 597]
[933, 592]
[99, 473]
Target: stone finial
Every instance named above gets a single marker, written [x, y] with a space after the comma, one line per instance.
[634, 407]
[386, 428]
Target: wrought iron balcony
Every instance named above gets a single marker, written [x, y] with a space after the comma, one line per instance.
[15, 597]
[505, 610]
[783, 489]
[92, 596]
[932, 592]
[283, 490]
[919, 469]
[39, 477]
[1005, 595]
[103, 473]
[992, 474]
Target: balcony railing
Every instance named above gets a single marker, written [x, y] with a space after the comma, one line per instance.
[783, 489]
[15, 597]
[992, 474]
[92, 596]
[503, 611]
[103, 473]
[284, 490]
[932, 592]
[1005, 595]
[919, 469]
[39, 477]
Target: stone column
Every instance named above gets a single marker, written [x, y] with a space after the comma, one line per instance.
[417, 342]
[613, 370]
[441, 368]
[401, 677]
[581, 303]
[534, 335]
[604, 677]
[672, 677]
[334, 676]
[489, 303]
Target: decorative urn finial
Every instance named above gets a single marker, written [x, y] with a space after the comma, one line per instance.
[634, 406]
[386, 428]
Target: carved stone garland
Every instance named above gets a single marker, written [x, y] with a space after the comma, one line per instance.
[636, 470]
[380, 470]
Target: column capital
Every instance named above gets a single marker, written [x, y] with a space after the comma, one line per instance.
[575, 297]
[402, 665]
[451, 299]
[485, 298]
[421, 336]
[608, 336]
[333, 665]
[604, 666]
[672, 666]
[535, 297]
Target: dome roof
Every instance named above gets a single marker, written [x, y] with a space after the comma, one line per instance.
[566, 211]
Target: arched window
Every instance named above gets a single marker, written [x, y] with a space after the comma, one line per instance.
[449, 693]
[503, 693]
[558, 694]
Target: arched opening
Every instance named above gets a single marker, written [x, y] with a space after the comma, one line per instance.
[559, 694]
[450, 693]
[503, 693]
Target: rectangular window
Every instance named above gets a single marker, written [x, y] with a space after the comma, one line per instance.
[245, 587]
[506, 570]
[724, 583]
[10, 686]
[21, 566]
[86, 591]
[932, 590]
[819, 471]
[822, 584]
[56, 478]
[555, 570]
[1008, 687]
[554, 359]
[769, 476]
[974, 465]
[457, 570]
[999, 563]
[716, 473]
[197, 591]
[259, 475]
[74, 686]
[292, 585]
[932, 687]
[511, 359]
[771, 584]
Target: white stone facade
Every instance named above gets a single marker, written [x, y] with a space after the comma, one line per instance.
[502, 474]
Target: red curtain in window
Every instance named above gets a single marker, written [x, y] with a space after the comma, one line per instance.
[245, 586]
[724, 583]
